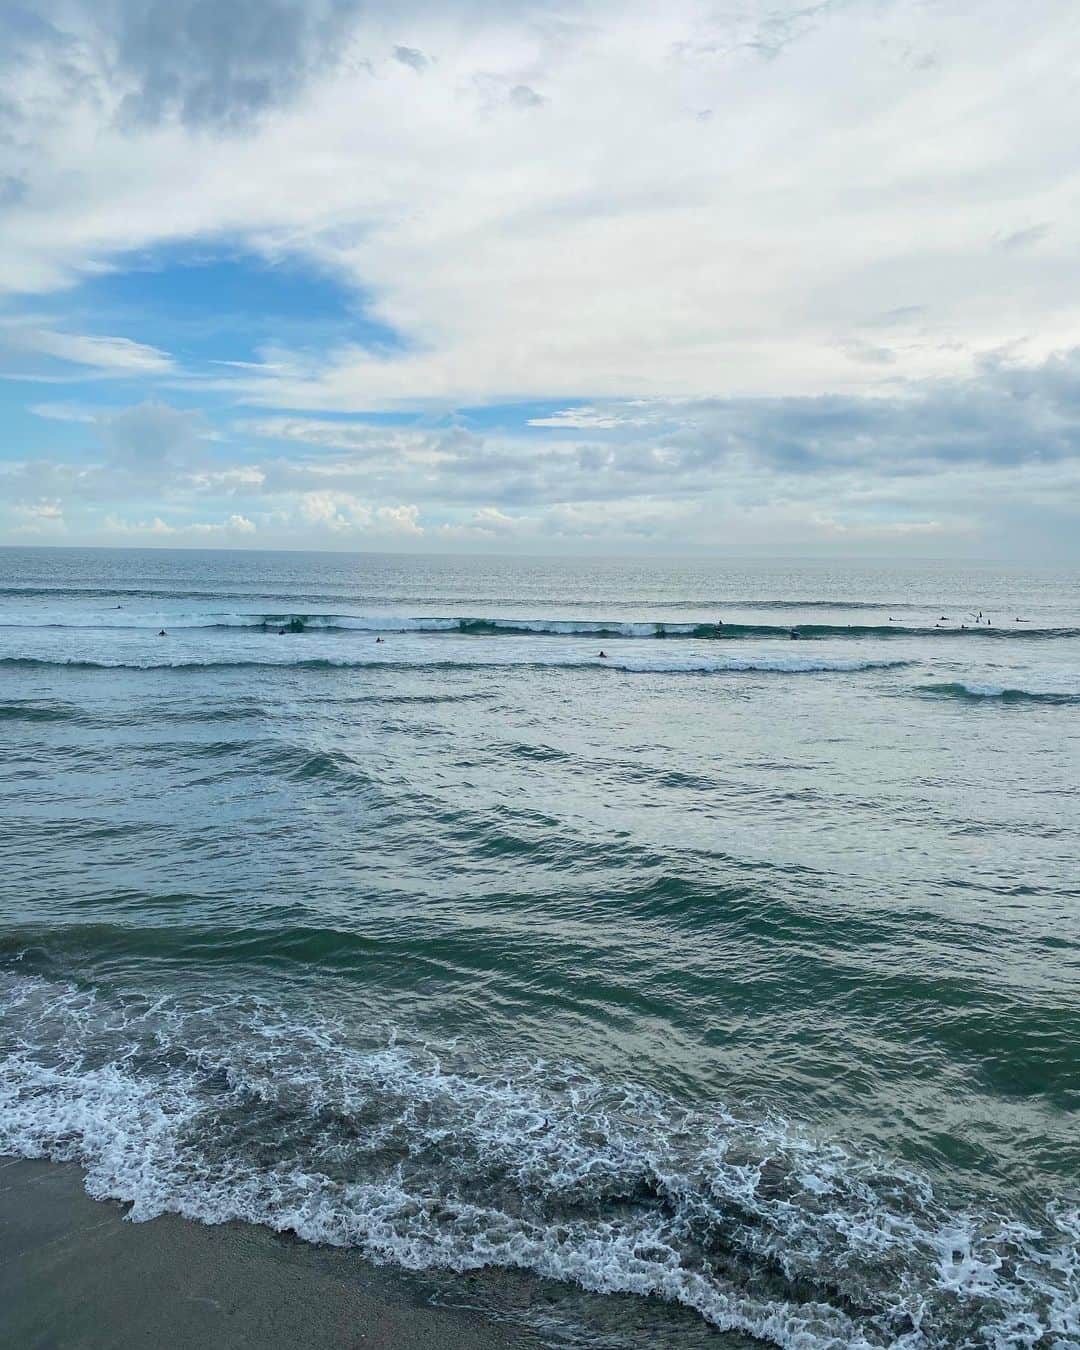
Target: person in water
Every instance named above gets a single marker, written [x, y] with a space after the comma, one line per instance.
[604, 655]
[377, 641]
[163, 633]
[795, 635]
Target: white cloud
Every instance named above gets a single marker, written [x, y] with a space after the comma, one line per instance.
[491, 519]
[859, 159]
[230, 530]
[988, 465]
[590, 419]
[396, 444]
[43, 517]
[105, 356]
[334, 510]
[344, 512]
[838, 309]
[399, 519]
[63, 412]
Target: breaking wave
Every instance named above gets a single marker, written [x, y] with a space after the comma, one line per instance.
[447, 1159]
[486, 626]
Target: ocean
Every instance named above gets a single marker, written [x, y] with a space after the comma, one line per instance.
[722, 989]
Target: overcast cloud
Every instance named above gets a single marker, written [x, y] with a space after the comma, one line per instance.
[769, 277]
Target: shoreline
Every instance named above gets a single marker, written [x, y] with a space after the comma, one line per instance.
[76, 1275]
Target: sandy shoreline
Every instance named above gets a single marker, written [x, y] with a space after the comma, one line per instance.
[75, 1276]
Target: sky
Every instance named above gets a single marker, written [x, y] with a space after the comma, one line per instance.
[749, 277]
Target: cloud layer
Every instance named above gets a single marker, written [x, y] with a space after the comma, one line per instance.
[719, 276]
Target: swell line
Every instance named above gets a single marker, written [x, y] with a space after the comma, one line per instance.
[689, 665]
[607, 629]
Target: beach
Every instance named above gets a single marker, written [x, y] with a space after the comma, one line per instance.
[74, 1273]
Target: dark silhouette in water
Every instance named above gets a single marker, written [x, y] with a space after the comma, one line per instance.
[795, 635]
[377, 641]
[281, 632]
[604, 655]
[163, 633]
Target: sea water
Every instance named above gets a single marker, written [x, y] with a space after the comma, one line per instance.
[724, 986]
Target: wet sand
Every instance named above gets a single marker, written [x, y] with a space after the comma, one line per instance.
[74, 1275]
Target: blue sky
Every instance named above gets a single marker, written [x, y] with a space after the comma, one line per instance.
[754, 279]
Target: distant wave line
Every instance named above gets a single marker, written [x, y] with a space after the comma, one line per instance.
[493, 626]
[644, 665]
[709, 602]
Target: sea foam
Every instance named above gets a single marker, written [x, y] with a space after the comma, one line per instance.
[448, 1159]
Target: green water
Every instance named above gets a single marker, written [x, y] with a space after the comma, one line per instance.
[734, 971]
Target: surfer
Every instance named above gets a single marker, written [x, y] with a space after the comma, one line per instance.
[603, 656]
[377, 641]
[795, 635]
[163, 633]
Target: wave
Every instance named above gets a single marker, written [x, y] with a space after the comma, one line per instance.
[487, 626]
[36, 710]
[113, 592]
[688, 665]
[964, 690]
[453, 1159]
[337, 596]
